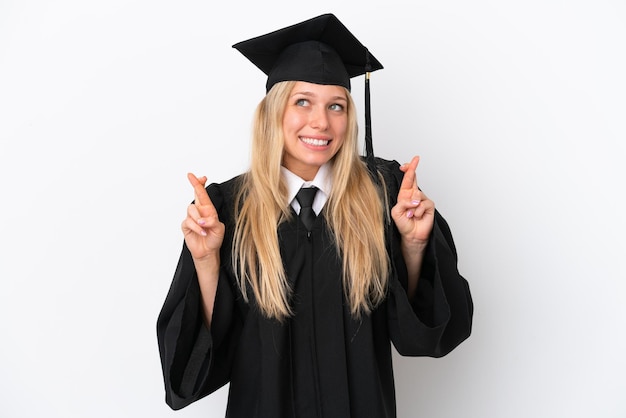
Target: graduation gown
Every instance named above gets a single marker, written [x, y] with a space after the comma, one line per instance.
[321, 362]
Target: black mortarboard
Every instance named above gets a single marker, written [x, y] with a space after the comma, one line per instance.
[320, 50]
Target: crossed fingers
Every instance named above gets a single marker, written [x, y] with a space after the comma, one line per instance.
[201, 211]
[409, 192]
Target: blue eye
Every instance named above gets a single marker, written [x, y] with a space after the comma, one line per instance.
[302, 102]
[336, 106]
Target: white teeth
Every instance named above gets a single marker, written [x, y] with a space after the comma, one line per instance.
[315, 142]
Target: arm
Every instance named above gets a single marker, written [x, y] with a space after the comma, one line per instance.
[432, 315]
[413, 255]
[196, 359]
[204, 234]
[413, 215]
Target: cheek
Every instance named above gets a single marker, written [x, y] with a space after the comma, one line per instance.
[292, 121]
[339, 144]
[340, 131]
[286, 123]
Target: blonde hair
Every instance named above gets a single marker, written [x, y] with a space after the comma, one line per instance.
[354, 211]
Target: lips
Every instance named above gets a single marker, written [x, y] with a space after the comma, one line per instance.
[315, 142]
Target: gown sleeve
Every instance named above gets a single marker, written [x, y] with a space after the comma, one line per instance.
[196, 360]
[440, 316]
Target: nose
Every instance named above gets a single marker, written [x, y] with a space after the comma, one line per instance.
[319, 118]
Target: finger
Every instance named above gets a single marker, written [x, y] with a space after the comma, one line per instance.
[192, 212]
[425, 206]
[409, 180]
[205, 220]
[204, 216]
[189, 225]
[407, 207]
[195, 215]
[417, 195]
[198, 187]
[202, 198]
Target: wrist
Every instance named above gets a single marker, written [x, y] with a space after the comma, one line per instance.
[208, 262]
[414, 245]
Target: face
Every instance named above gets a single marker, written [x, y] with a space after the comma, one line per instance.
[314, 125]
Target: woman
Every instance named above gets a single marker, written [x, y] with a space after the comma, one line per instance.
[296, 313]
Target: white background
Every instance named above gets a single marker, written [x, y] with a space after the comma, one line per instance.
[517, 109]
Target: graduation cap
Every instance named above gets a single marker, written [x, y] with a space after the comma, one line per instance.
[320, 50]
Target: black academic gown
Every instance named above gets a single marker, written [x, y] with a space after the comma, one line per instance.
[321, 362]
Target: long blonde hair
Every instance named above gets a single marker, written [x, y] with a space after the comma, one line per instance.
[354, 212]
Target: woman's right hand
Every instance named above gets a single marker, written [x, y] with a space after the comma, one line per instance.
[202, 228]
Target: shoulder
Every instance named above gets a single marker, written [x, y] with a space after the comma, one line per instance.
[384, 166]
[390, 172]
[224, 194]
[228, 185]
[388, 167]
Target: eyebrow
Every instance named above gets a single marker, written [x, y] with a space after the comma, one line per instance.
[311, 94]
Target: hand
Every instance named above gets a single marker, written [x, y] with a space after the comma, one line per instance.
[202, 228]
[413, 213]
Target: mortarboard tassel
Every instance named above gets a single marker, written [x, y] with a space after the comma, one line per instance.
[369, 148]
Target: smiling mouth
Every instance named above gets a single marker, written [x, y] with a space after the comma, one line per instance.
[315, 142]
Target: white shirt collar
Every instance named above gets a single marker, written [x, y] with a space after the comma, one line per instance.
[323, 181]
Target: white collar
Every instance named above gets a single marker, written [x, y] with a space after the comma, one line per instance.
[323, 181]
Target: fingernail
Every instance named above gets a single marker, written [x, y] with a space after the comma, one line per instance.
[203, 233]
[201, 222]
[415, 202]
[409, 214]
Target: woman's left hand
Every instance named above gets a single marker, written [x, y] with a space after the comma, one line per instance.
[413, 213]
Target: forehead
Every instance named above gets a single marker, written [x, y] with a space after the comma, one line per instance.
[319, 90]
